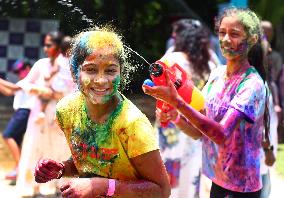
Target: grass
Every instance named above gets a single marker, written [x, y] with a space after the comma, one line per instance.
[280, 160]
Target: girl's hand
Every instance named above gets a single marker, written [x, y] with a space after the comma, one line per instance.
[46, 93]
[166, 93]
[84, 188]
[47, 169]
[42, 92]
[277, 108]
[162, 116]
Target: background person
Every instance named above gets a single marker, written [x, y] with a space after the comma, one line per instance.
[42, 138]
[182, 154]
[17, 125]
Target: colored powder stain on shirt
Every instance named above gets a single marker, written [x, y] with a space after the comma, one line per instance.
[239, 156]
[105, 150]
[100, 132]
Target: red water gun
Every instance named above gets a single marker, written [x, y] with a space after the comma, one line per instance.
[182, 83]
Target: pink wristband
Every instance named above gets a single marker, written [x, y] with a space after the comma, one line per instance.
[111, 187]
[176, 120]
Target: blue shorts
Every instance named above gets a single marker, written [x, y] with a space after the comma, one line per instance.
[17, 125]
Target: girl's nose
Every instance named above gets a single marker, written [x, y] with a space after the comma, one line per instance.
[100, 79]
[226, 38]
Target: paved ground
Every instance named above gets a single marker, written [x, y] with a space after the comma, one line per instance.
[148, 106]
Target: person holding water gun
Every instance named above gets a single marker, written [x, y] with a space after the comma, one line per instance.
[236, 110]
[189, 68]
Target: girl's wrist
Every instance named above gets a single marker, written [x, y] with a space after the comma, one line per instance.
[177, 103]
[102, 187]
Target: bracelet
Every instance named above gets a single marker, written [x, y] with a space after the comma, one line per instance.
[111, 187]
[176, 120]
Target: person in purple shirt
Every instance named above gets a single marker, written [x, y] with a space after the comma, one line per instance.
[232, 123]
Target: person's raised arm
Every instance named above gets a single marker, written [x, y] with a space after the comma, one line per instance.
[215, 131]
[7, 88]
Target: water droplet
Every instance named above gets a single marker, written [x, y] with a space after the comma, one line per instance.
[69, 4]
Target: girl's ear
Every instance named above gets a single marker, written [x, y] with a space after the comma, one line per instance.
[253, 39]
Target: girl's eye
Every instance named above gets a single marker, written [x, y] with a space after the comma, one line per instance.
[111, 71]
[222, 33]
[234, 34]
[90, 69]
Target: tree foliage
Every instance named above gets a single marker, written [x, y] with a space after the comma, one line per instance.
[272, 10]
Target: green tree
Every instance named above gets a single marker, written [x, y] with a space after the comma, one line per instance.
[272, 10]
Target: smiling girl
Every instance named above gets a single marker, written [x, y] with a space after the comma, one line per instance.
[231, 129]
[114, 151]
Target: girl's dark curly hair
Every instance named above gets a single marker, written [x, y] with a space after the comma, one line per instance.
[193, 39]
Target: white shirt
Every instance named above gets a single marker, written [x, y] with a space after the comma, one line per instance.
[22, 100]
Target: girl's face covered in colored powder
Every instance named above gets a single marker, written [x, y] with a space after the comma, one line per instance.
[233, 38]
[100, 76]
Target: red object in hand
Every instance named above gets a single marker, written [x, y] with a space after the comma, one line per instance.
[47, 169]
[185, 87]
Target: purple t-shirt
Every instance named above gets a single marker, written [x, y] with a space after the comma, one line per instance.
[235, 165]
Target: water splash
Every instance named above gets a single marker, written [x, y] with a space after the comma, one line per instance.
[132, 65]
[133, 68]
[75, 9]
[136, 53]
